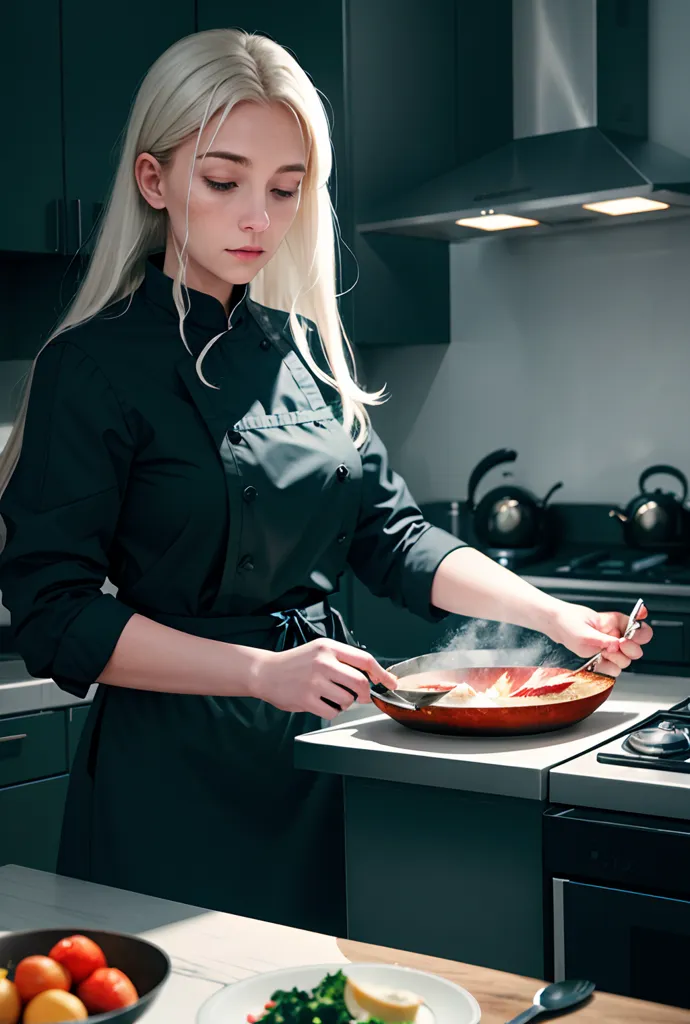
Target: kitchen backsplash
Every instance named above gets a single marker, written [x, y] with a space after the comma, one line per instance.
[574, 350]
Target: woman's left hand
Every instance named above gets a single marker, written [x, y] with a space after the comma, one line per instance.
[585, 632]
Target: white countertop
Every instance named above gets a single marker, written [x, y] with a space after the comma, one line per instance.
[208, 949]
[376, 747]
[20, 693]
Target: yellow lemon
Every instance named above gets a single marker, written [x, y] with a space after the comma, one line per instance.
[54, 1006]
[10, 1003]
[393, 1006]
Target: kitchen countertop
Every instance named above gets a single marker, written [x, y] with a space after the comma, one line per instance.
[20, 693]
[209, 950]
[584, 782]
[376, 747]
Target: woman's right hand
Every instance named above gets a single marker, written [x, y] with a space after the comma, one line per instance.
[302, 678]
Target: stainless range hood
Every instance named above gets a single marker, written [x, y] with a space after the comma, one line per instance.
[580, 134]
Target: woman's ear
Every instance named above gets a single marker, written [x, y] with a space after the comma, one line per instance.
[149, 175]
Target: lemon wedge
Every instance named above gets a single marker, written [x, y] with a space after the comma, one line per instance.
[394, 1006]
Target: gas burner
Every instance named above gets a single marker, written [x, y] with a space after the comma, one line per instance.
[661, 742]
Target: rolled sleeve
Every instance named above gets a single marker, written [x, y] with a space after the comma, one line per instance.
[395, 552]
[60, 511]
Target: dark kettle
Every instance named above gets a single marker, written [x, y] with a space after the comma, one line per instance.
[508, 517]
[656, 519]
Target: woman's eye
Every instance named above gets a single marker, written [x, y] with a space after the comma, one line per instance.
[221, 186]
[226, 186]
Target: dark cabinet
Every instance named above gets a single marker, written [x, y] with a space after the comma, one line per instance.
[33, 788]
[31, 182]
[72, 74]
[103, 65]
[32, 746]
[31, 814]
[403, 131]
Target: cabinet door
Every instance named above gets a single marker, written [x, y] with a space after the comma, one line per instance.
[626, 942]
[31, 182]
[104, 60]
[403, 116]
[32, 747]
[31, 816]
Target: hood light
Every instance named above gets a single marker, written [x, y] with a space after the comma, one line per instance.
[620, 207]
[496, 222]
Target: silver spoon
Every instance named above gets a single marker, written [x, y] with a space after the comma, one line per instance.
[417, 698]
[632, 627]
[563, 995]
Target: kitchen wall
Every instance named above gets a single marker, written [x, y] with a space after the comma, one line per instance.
[575, 350]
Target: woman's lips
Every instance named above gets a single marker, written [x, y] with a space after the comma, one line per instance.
[246, 254]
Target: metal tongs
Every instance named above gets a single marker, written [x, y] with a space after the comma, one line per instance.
[632, 627]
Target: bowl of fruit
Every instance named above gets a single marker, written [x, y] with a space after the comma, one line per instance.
[52, 976]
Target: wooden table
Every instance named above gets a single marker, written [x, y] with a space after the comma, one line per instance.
[209, 950]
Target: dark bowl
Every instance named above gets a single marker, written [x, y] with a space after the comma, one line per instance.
[146, 965]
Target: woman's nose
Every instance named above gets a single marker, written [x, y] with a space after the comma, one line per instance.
[254, 217]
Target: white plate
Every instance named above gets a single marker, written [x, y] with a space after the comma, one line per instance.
[444, 1002]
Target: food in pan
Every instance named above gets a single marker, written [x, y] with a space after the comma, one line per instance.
[542, 687]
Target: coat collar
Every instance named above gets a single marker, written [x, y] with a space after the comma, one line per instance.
[205, 319]
[207, 316]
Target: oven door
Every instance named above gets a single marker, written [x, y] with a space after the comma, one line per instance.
[629, 943]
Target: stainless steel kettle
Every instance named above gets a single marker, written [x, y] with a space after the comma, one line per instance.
[656, 519]
[508, 517]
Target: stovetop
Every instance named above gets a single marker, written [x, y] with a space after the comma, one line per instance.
[661, 742]
[625, 564]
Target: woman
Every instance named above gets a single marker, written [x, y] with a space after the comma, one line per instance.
[205, 446]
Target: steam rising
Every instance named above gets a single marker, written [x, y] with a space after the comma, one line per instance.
[480, 634]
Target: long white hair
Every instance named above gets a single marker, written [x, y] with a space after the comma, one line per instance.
[196, 78]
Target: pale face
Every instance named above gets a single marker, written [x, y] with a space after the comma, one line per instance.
[244, 195]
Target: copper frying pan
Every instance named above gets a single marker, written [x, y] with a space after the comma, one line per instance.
[481, 669]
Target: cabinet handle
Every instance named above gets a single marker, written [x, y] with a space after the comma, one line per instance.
[79, 232]
[8, 739]
[673, 623]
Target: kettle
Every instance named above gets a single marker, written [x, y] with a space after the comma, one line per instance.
[507, 517]
[656, 519]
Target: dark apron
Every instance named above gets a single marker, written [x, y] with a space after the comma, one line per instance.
[196, 799]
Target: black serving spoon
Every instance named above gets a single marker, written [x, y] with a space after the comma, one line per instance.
[557, 998]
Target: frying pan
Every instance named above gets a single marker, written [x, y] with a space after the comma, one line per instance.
[481, 669]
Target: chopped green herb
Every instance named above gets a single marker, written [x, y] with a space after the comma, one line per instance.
[324, 1005]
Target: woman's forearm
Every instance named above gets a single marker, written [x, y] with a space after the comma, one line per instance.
[469, 583]
[149, 656]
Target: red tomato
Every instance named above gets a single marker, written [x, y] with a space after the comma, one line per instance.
[35, 974]
[81, 956]
[107, 989]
